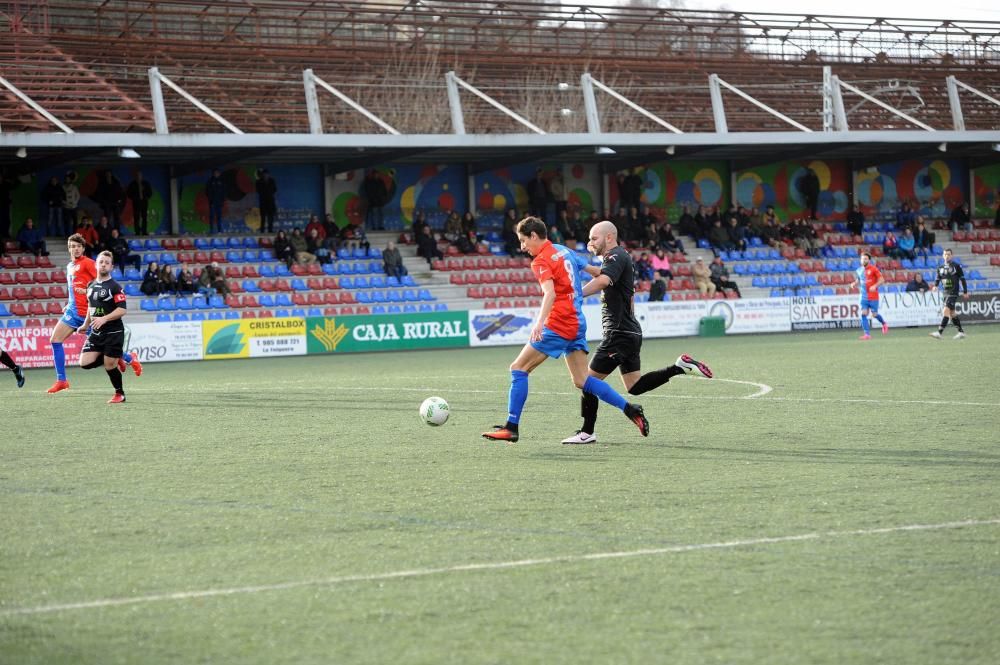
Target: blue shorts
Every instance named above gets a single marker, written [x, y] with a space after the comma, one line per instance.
[869, 304]
[72, 319]
[556, 346]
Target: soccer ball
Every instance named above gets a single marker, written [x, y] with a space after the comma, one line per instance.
[435, 411]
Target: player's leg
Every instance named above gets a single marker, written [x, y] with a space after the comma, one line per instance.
[946, 313]
[873, 306]
[865, 324]
[576, 362]
[60, 334]
[955, 320]
[8, 361]
[528, 359]
[112, 354]
[588, 411]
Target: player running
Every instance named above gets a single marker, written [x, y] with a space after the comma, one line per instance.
[106, 301]
[560, 330]
[949, 274]
[13, 366]
[622, 340]
[80, 271]
[871, 277]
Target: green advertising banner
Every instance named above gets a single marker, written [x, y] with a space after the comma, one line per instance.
[352, 334]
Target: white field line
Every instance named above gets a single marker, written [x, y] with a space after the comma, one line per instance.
[486, 566]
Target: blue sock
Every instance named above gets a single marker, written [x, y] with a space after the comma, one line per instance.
[865, 324]
[604, 392]
[127, 357]
[59, 360]
[878, 317]
[518, 395]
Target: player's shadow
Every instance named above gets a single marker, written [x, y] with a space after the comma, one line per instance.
[848, 456]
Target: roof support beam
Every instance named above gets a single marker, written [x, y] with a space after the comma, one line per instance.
[887, 107]
[38, 108]
[316, 126]
[453, 79]
[958, 119]
[159, 111]
[714, 82]
[588, 79]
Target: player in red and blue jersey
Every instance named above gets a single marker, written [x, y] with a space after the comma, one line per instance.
[868, 278]
[560, 330]
[80, 271]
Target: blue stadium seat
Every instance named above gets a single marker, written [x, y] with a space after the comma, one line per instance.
[267, 300]
[148, 305]
[234, 243]
[378, 309]
[117, 275]
[315, 311]
[392, 282]
[163, 318]
[360, 268]
[267, 255]
[283, 300]
[409, 281]
[394, 309]
[828, 291]
[346, 283]
[250, 286]
[393, 295]
[343, 253]
[379, 296]
[425, 294]
[218, 243]
[250, 242]
[199, 302]
[360, 253]
[377, 282]
[181, 316]
[217, 302]
[232, 314]
[202, 244]
[197, 316]
[214, 316]
[153, 244]
[3, 310]
[133, 274]
[135, 245]
[282, 270]
[182, 303]
[441, 307]
[281, 313]
[298, 311]
[267, 271]
[132, 290]
[374, 253]
[165, 304]
[150, 258]
[361, 283]
[234, 256]
[409, 309]
[251, 256]
[425, 307]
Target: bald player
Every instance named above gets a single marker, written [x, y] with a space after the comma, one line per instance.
[622, 342]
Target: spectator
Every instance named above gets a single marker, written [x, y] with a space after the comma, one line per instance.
[353, 237]
[185, 280]
[104, 234]
[212, 277]
[139, 193]
[315, 245]
[557, 189]
[806, 238]
[907, 243]
[509, 233]
[419, 222]
[718, 237]
[576, 229]
[119, 249]
[427, 246]
[666, 239]
[890, 246]
[168, 282]
[283, 249]
[315, 225]
[215, 191]
[770, 214]
[737, 234]
[917, 284]
[71, 201]
[960, 218]
[631, 194]
[538, 195]
[110, 196]
[636, 228]
[453, 227]
[905, 217]
[657, 291]
[703, 277]
[556, 236]
[809, 187]
[770, 234]
[644, 269]
[267, 191]
[151, 280]
[53, 197]
[300, 247]
[376, 196]
[686, 224]
[90, 237]
[855, 221]
[755, 223]
[562, 225]
[392, 261]
[661, 264]
[923, 240]
[30, 239]
[469, 224]
[720, 277]
[466, 244]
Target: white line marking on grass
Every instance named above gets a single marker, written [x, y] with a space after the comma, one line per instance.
[487, 566]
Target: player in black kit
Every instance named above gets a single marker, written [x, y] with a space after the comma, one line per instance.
[622, 341]
[105, 309]
[949, 274]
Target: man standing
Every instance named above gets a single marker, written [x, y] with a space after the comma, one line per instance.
[868, 278]
[949, 274]
[215, 191]
[809, 186]
[559, 330]
[267, 191]
[111, 198]
[71, 201]
[106, 339]
[622, 341]
[139, 193]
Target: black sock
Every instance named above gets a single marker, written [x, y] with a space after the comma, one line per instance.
[7, 360]
[654, 379]
[511, 426]
[116, 380]
[97, 363]
[957, 323]
[588, 409]
[944, 324]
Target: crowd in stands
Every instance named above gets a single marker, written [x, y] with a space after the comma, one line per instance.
[181, 280]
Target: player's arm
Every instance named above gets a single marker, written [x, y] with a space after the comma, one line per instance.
[548, 301]
[965, 285]
[86, 322]
[591, 270]
[599, 283]
[881, 280]
[611, 272]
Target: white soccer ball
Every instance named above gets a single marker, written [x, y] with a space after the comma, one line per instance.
[435, 411]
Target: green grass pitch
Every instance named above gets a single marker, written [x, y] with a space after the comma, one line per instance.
[297, 511]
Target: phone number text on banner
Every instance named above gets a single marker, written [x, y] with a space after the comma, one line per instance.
[254, 338]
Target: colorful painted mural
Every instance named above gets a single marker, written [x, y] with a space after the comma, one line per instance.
[498, 190]
[779, 185]
[299, 195]
[933, 187]
[986, 185]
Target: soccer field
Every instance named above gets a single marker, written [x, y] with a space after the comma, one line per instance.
[822, 500]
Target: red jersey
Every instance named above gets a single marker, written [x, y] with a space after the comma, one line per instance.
[79, 274]
[868, 277]
[562, 266]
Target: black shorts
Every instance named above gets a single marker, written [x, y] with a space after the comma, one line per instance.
[111, 343]
[950, 302]
[618, 351]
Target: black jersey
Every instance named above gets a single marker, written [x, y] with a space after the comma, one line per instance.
[948, 277]
[103, 298]
[617, 313]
